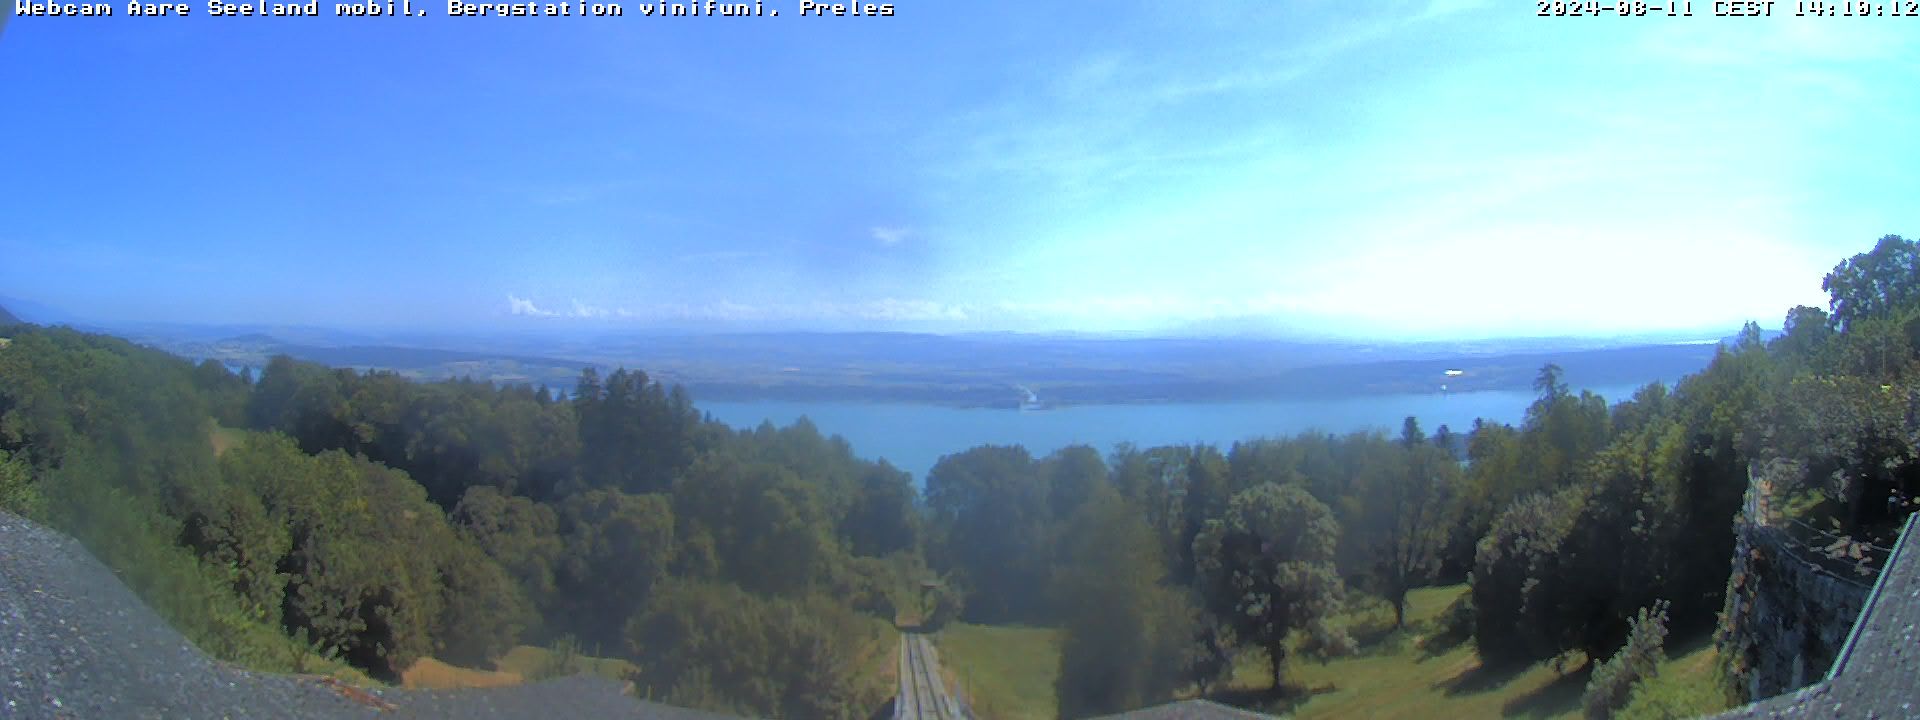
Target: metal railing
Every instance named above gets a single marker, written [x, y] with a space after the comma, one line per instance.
[1815, 561]
[1841, 557]
[1840, 552]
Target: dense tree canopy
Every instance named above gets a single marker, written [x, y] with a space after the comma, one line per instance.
[1879, 282]
[1128, 636]
[723, 648]
[991, 528]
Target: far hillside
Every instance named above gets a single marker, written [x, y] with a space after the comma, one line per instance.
[969, 370]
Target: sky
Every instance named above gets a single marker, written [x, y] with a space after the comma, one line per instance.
[1412, 170]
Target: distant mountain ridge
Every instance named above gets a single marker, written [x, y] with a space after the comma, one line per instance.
[33, 312]
[968, 370]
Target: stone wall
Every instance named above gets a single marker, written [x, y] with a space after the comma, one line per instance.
[1787, 614]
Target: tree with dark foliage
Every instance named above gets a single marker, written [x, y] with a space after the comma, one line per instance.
[1266, 567]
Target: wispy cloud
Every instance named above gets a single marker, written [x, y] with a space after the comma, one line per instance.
[880, 310]
[1123, 127]
[525, 307]
[877, 310]
[583, 310]
[889, 235]
[907, 310]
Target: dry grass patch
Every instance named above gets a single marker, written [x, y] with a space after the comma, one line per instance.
[430, 674]
[534, 663]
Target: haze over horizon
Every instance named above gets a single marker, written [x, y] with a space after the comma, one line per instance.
[1411, 171]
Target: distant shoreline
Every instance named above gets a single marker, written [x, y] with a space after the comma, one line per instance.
[983, 373]
[1094, 396]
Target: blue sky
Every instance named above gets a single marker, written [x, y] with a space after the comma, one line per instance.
[1395, 169]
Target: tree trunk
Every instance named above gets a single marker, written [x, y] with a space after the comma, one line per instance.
[1399, 608]
[1277, 658]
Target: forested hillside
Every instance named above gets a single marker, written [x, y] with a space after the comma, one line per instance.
[377, 521]
[312, 516]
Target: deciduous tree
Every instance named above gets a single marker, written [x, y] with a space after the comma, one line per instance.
[1266, 567]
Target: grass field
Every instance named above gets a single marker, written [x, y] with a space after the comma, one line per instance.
[1393, 677]
[1688, 686]
[1006, 673]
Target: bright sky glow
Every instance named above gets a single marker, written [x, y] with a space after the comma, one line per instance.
[1395, 169]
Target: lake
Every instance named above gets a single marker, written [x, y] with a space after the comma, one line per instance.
[914, 436]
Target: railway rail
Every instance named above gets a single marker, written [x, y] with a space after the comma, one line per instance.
[923, 695]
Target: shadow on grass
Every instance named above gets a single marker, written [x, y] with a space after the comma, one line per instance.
[1688, 643]
[1554, 698]
[1380, 635]
[1481, 678]
[1376, 635]
[1284, 700]
[1433, 646]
